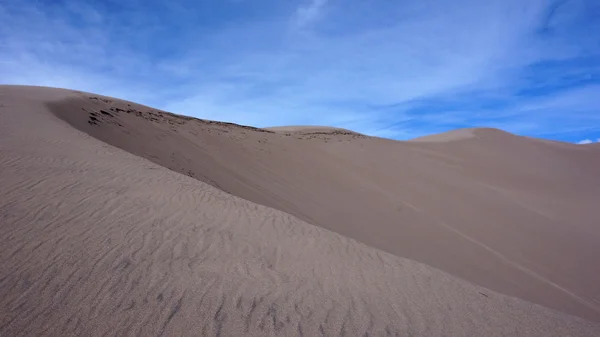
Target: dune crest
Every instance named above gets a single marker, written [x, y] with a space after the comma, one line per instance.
[312, 129]
[463, 134]
[100, 239]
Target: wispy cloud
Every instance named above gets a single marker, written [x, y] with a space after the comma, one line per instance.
[391, 68]
[588, 141]
[309, 13]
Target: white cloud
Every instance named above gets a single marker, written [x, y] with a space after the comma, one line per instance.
[308, 13]
[588, 141]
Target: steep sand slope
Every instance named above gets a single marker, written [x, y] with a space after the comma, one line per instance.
[97, 241]
[513, 214]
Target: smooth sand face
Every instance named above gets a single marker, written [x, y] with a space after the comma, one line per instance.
[513, 214]
[448, 136]
[96, 240]
[311, 129]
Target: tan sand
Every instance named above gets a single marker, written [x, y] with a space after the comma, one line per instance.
[310, 129]
[513, 214]
[100, 241]
[448, 136]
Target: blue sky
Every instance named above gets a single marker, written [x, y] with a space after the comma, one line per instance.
[391, 68]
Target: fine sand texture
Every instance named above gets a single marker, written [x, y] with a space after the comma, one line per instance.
[121, 220]
[513, 214]
[311, 129]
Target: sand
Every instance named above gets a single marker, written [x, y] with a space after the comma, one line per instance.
[137, 222]
[311, 129]
[451, 135]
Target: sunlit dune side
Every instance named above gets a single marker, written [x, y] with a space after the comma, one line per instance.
[453, 135]
[495, 205]
[311, 129]
[120, 219]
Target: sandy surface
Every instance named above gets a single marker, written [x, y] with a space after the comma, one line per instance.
[311, 129]
[513, 214]
[112, 240]
[448, 136]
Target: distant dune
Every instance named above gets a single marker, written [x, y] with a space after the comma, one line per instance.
[311, 129]
[120, 219]
[458, 134]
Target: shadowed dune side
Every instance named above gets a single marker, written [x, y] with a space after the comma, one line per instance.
[97, 241]
[513, 214]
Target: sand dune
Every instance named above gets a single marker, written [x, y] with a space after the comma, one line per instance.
[514, 214]
[311, 129]
[452, 135]
[112, 240]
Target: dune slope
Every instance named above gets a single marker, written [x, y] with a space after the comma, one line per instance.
[513, 214]
[96, 241]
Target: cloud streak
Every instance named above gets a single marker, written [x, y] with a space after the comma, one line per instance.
[395, 69]
[588, 141]
[308, 14]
